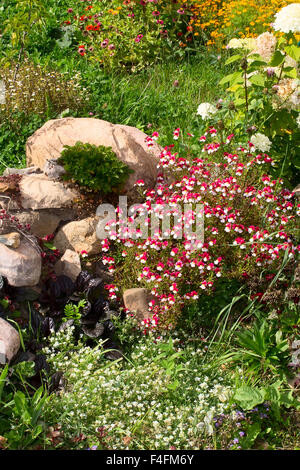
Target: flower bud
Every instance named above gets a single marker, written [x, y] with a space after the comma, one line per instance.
[244, 64]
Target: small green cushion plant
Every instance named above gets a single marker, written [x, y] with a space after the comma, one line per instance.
[97, 168]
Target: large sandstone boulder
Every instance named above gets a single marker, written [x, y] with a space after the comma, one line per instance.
[78, 236]
[9, 341]
[21, 266]
[39, 192]
[127, 142]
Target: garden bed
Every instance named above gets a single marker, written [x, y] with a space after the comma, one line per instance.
[174, 326]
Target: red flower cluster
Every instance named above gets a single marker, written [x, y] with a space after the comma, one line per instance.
[249, 220]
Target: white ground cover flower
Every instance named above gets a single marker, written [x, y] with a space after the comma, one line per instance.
[132, 399]
[288, 19]
[206, 110]
[261, 142]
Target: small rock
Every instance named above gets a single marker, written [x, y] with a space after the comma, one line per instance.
[11, 239]
[39, 192]
[9, 341]
[137, 300]
[22, 171]
[101, 271]
[45, 221]
[95, 331]
[21, 266]
[53, 170]
[78, 236]
[69, 265]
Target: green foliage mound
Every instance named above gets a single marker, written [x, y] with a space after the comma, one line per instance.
[96, 168]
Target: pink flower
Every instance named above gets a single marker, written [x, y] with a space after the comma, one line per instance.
[176, 133]
[140, 183]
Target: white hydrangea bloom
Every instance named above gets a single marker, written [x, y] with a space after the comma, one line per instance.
[287, 94]
[288, 19]
[242, 43]
[298, 120]
[261, 142]
[265, 45]
[206, 110]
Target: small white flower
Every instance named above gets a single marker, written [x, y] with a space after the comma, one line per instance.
[261, 142]
[206, 110]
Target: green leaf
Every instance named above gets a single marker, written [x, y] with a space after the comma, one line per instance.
[272, 393]
[50, 246]
[256, 63]
[248, 397]
[277, 59]
[240, 102]
[258, 79]
[230, 78]
[252, 433]
[21, 406]
[287, 400]
[293, 51]
[2, 379]
[290, 72]
[233, 58]
[173, 385]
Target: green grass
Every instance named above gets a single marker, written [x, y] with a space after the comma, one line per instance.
[148, 97]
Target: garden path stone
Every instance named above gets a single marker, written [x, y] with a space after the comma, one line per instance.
[9, 341]
[127, 142]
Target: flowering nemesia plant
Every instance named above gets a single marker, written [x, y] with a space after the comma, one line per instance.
[249, 218]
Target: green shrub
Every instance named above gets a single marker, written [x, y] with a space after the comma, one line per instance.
[97, 168]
